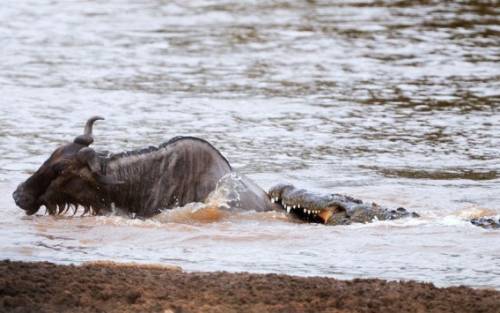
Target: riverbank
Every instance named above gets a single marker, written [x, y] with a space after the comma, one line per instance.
[111, 287]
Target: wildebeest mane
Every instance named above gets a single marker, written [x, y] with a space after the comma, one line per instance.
[150, 149]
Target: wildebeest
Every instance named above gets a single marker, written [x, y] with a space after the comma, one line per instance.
[180, 171]
[140, 182]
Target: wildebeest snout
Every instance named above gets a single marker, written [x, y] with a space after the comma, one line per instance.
[23, 199]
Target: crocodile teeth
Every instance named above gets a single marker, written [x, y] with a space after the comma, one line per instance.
[272, 200]
[305, 211]
[288, 210]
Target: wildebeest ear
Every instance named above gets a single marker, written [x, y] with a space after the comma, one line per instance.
[89, 157]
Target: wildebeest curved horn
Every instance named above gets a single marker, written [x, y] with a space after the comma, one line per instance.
[90, 122]
[86, 139]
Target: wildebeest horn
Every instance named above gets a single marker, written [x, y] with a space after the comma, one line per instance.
[86, 139]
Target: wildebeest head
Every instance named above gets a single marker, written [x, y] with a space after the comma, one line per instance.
[71, 175]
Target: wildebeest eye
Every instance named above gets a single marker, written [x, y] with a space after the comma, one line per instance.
[59, 167]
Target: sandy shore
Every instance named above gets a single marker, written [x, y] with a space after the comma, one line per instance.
[108, 287]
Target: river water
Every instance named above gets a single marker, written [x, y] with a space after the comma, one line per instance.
[389, 101]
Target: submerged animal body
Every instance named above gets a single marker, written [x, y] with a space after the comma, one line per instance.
[183, 170]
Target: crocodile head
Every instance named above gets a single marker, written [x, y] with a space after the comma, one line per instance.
[332, 209]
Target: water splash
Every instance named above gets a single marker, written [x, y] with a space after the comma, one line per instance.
[217, 206]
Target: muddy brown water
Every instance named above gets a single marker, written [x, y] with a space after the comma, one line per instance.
[395, 102]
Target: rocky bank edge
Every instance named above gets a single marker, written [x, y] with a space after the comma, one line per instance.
[110, 287]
